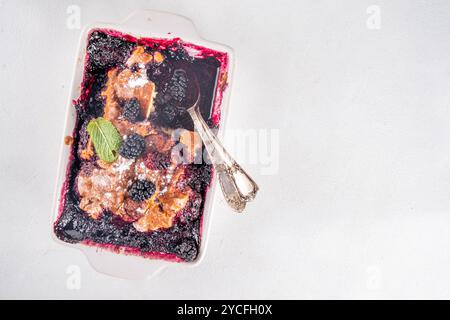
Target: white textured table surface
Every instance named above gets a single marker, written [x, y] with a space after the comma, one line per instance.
[360, 204]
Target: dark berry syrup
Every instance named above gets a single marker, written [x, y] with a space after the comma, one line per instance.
[108, 49]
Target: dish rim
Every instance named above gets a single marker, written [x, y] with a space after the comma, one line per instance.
[134, 25]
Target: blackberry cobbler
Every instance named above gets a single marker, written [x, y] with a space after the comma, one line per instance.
[124, 189]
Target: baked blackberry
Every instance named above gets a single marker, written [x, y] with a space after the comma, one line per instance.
[132, 110]
[157, 161]
[178, 85]
[177, 52]
[106, 51]
[192, 210]
[141, 190]
[199, 177]
[170, 104]
[133, 146]
[162, 99]
[168, 113]
[187, 249]
[159, 73]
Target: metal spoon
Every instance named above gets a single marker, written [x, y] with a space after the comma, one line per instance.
[237, 186]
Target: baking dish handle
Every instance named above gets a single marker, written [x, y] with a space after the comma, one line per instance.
[161, 23]
[118, 265]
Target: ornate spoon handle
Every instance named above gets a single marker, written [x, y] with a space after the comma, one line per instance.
[237, 186]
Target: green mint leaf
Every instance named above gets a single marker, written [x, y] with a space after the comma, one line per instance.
[105, 137]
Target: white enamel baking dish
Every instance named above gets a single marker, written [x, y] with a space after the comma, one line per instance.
[149, 24]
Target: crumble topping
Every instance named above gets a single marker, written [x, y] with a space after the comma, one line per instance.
[106, 186]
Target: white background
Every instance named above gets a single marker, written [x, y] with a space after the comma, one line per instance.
[359, 207]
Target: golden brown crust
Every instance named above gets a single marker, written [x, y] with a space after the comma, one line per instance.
[105, 186]
[139, 56]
